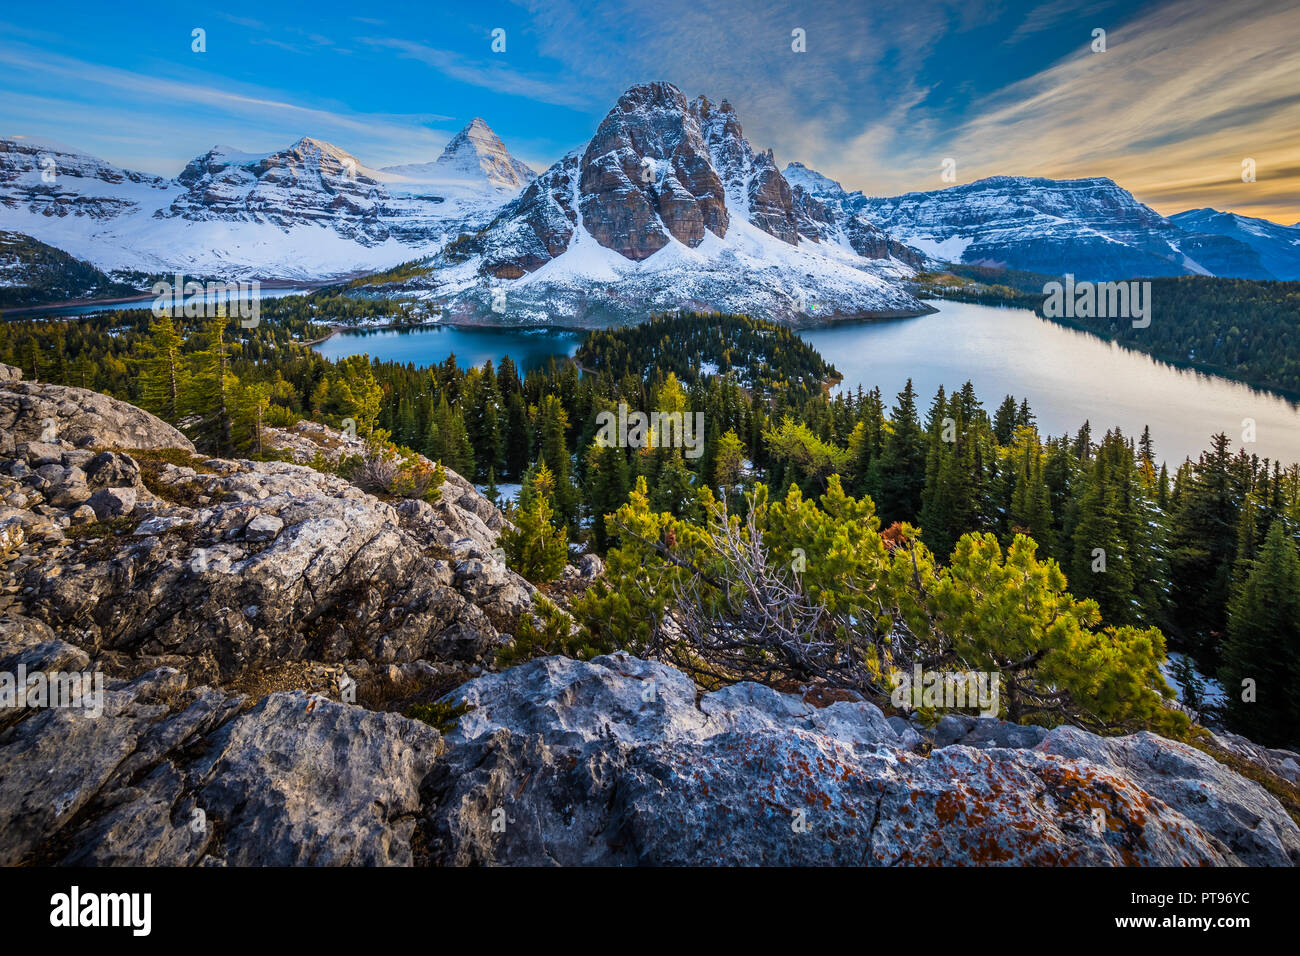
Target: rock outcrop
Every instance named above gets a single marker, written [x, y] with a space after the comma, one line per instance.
[60, 416]
[242, 640]
[227, 567]
[647, 175]
[172, 776]
[621, 761]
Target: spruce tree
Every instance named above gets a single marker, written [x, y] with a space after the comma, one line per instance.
[162, 371]
[537, 546]
[210, 386]
[1263, 645]
[606, 487]
[902, 462]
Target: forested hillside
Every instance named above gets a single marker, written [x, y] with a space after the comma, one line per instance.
[1079, 543]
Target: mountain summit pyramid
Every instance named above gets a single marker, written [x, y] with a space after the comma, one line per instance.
[473, 156]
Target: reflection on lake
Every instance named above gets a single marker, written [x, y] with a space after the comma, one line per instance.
[472, 346]
[1067, 376]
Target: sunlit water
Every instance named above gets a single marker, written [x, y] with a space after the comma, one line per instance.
[1067, 376]
[472, 346]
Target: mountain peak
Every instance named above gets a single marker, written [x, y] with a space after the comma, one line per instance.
[474, 155]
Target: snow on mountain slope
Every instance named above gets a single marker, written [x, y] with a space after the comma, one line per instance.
[309, 211]
[474, 158]
[1089, 227]
[1278, 246]
[667, 207]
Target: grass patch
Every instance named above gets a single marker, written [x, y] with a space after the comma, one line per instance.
[153, 463]
[98, 530]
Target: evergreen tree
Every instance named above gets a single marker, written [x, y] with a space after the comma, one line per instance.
[518, 440]
[1203, 545]
[902, 462]
[606, 488]
[1263, 645]
[446, 440]
[210, 384]
[553, 450]
[1100, 568]
[537, 546]
[1004, 422]
[162, 371]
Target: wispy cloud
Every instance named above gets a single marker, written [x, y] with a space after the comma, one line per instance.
[885, 91]
[247, 117]
[488, 73]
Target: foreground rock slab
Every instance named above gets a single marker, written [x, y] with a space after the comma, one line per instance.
[616, 761]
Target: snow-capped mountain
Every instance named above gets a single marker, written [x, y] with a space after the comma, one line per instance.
[307, 184]
[1089, 227]
[474, 156]
[1278, 246]
[667, 207]
[308, 211]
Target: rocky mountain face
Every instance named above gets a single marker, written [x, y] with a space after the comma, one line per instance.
[309, 211]
[51, 182]
[261, 627]
[1278, 246]
[828, 212]
[309, 183]
[474, 156]
[668, 207]
[1091, 228]
[646, 176]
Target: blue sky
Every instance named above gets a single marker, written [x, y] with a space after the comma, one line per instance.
[885, 92]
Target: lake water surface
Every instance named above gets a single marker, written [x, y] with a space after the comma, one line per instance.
[1068, 376]
[472, 345]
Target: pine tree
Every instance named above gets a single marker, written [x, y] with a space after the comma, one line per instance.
[902, 462]
[1203, 545]
[250, 402]
[483, 418]
[161, 371]
[729, 461]
[537, 546]
[518, 436]
[606, 487]
[210, 386]
[553, 450]
[1100, 568]
[1263, 645]
[1004, 422]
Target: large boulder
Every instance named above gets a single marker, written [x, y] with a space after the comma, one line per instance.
[40, 412]
[303, 780]
[620, 761]
[275, 562]
[167, 776]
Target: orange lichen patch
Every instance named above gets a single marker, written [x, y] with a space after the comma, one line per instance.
[822, 696]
